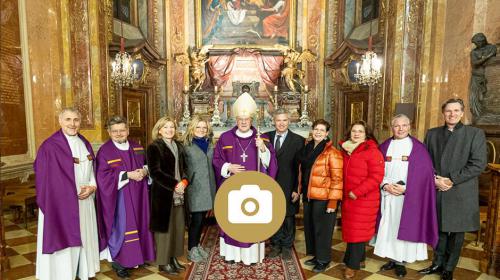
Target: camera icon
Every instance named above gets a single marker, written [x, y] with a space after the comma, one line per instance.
[250, 205]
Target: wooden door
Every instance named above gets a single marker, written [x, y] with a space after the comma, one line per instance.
[356, 108]
[134, 108]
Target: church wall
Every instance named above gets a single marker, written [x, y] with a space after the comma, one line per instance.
[448, 29]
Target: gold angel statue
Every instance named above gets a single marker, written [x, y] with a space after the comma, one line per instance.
[196, 62]
[292, 75]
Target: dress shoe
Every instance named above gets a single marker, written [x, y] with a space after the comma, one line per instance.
[400, 270]
[447, 275]
[286, 253]
[169, 269]
[229, 262]
[431, 269]
[349, 273]
[320, 267]
[312, 261]
[275, 251]
[120, 271]
[388, 266]
[177, 264]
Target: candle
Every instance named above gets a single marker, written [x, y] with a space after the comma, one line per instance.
[306, 87]
[216, 88]
[221, 88]
[186, 88]
[275, 88]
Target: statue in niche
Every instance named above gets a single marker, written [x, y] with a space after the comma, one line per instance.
[292, 74]
[477, 86]
[196, 61]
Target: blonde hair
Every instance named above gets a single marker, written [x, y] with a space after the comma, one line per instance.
[159, 124]
[187, 138]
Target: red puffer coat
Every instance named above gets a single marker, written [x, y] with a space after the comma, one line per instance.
[363, 173]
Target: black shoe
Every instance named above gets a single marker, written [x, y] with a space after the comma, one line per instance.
[388, 266]
[320, 267]
[229, 262]
[177, 264]
[400, 270]
[275, 251]
[121, 271]
[286, 253]
[447, 275]
[431, 269]
[312, 261]
[169, 269]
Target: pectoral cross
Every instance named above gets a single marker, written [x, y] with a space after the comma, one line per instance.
[244, 157]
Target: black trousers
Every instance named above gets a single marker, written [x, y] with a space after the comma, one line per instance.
[195, 228]
[354, 255]
[318, 229]
[285, 235]
[448, 249]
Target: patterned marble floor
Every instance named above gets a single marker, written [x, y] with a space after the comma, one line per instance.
[22, 253]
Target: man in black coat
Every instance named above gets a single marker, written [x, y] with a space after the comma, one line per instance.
[458, 154]
[287, 144]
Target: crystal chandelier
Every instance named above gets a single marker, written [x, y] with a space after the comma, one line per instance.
[368, 72]
[123, 69]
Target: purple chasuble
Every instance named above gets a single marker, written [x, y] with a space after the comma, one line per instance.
[230, 148]
[56, 193]
[123, 215]
[419, 215]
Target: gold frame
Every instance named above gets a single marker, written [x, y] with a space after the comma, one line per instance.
[292, 34]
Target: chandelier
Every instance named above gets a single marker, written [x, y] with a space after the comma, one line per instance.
[368, 72]
[123, 70]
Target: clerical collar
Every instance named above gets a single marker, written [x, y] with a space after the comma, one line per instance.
[457, 126]
[244, 134]
[71, 138]
[122, 146]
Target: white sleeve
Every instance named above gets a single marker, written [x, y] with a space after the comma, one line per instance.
[92, 181]
[150, 180]
[224, 171]
[265, 157]
[122, 183]
[278, 6]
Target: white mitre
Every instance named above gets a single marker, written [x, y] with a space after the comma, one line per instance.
[244, 106]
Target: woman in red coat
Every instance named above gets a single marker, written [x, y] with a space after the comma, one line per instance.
[363, 172]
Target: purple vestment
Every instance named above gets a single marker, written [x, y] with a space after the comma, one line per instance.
[419, 215]
[123, 215]
[229, 150]
[56, 193]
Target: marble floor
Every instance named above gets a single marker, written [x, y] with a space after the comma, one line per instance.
[21, 250]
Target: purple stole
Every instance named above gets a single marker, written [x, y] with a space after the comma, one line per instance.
[56, 193]
[233, 149]
[419, 215]
[123, 215]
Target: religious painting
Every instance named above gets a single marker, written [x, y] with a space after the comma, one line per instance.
[254, 23]
[356, 111]
[134, 113]
[369, 10]
[122, 10]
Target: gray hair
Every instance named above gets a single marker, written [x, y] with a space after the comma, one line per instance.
[280, 111]
[116, 120]
[69, 110]
[400, 116]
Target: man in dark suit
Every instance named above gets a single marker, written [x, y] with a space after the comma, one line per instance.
[287, 144]
[458, 154]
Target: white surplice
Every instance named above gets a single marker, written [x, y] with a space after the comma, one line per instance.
[387, 243]
[80, 261]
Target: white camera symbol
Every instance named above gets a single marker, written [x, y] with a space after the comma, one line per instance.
[250, 205]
